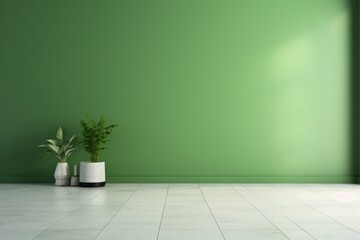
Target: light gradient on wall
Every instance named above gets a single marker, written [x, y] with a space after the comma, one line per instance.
[203, 90]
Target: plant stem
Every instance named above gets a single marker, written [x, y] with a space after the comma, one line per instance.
[94, 157]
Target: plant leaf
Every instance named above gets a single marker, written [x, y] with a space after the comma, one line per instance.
[69, 152]
[52, 141]
[95, 134]
[56, 149]
[60, 148]
[59, 134]
[73, 139]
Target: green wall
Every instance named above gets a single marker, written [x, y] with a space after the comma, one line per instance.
[356, 45]
[355, 6]
[203, 90]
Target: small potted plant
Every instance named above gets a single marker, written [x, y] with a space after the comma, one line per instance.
[95, 135]
[61, 149]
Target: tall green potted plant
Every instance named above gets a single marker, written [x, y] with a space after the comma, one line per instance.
[95, 136]
[61, 149]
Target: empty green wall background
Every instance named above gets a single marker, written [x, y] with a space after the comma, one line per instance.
[203, 90]
[355, 6]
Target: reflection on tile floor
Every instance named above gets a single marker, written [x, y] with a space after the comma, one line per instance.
[181, 212]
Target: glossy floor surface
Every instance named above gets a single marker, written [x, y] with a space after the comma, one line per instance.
[181, 212]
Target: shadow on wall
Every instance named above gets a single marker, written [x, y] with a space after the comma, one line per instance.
[37, 159]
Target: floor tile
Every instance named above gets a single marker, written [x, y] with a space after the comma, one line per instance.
[251, 224]
[25, 225]
[191, 211]
[133, 226]
[18, 235]
[78, 226]
[127, 235]
[254, 235]
[318, 224]
[75, 219]
[68, 235]
[335, 235]
[189, 226]
[297, 235]
[190, 235]
[283, 223]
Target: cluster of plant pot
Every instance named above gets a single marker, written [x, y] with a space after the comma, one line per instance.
[94, 136]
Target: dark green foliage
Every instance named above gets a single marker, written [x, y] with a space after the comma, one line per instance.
[95, 135]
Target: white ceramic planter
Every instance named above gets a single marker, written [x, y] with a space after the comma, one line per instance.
[92, 174]
[62, 174]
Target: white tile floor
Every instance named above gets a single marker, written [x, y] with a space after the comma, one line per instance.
[181, 212]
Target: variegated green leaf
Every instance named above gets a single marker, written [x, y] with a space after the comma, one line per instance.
[54, 148]
[52, 141]
[60, 148]
[59, 134]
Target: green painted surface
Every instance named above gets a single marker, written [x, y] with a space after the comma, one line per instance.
[203, 90]
[356, 85]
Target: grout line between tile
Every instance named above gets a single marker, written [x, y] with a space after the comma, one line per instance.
[320, 211]
[222, 234]
[258, 211]
[117, 211]
[301, 228]
[246, 189]
[162, 214]
[67, 214]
